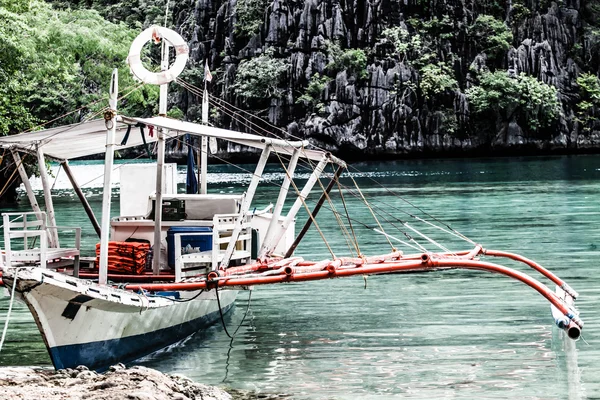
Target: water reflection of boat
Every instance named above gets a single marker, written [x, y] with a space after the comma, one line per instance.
[205, 246]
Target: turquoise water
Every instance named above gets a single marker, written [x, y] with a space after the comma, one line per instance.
[454, 334]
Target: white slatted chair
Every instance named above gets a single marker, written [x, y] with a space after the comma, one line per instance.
[223, 225]
[20, 226]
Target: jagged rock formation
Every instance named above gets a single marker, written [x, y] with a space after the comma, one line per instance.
[350, 88]
[386, 111]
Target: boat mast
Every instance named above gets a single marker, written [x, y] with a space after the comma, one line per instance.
[110, 120]
[160, 160]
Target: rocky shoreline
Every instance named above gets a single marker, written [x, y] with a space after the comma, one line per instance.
[135, 383]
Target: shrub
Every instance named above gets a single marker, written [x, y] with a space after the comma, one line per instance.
[491, 35]
[249, 16]
[523, 96]
[589, 92]
[404, 43]
[354, 61]
[314, 92]
[260, 76]
[436, 79]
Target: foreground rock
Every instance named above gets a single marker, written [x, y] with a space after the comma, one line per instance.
[136, 383]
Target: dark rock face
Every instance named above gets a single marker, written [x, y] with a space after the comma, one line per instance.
[385, 112]
[383, 106]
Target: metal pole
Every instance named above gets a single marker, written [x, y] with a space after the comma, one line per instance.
[25, 179]
[110, 120]
[160, 161]
[203, 165]
[198, 152]
[82, 199]
[315, 211]
[295, 207]
[53, 234]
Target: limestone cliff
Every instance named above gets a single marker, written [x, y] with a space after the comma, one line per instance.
[391, 77]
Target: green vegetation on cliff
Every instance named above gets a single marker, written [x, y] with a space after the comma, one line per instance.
[382, 77]
[502, 99]
[54, 62]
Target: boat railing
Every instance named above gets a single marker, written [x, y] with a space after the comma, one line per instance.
[221, 235]
[19, 226]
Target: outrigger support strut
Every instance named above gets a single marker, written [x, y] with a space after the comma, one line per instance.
[82, 198]
[245, 207]
[274, 236]
[315, 211]
[25, 179]
[296, 270]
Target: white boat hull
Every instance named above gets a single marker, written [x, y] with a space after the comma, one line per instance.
[83, 323]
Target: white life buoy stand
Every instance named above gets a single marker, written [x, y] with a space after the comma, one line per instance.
[155, 33]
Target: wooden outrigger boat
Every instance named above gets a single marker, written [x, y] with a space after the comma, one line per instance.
[113, 312]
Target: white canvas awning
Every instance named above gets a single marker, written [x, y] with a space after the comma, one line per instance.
[73, 141]
[246, 139]
[89, 138]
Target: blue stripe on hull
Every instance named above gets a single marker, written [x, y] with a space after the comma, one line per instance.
[101, 355]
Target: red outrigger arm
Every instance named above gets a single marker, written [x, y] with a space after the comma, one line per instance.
[295, 269]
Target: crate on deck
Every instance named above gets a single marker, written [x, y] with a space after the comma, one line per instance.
[125, 257]
[172, 210]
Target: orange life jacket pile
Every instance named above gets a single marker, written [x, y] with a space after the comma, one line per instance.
[125, 257]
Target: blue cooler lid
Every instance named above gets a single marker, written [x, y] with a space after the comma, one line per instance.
[187, 229]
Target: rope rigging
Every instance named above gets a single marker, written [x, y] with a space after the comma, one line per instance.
[237, 114]
[378, 213]
[228, 111]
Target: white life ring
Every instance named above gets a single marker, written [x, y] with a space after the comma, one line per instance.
[157, 78]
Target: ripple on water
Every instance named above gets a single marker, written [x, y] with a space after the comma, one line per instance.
[455, 335]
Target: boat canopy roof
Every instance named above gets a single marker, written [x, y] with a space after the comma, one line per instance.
[89, 138]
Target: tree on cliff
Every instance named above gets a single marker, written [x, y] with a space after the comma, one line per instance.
[53, 62]
[500, 99]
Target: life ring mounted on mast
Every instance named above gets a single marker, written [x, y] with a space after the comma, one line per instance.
[155, 33]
